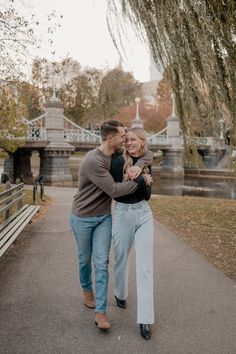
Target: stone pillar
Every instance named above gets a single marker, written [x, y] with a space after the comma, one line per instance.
[18, 166]
[210, 159]
[173, 165]
[214, 154]
[22, 165]
[8, 168]
[54, 158]
[54, 122]
[54, 166]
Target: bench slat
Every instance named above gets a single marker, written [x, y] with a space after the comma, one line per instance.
[8, 206]
[6, 192]
[10, 225]
[12, 217]
[13, 227]
[17, 222]
[18, 228]
[11, 196]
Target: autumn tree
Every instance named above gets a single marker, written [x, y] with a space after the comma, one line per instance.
[77, 87]
[11, 126]
[195, 40]
[30, 98]
[80, 96]
[153, 121]
[89, 95]
[50, 75]
[94, 95]
[18, 37]
[118, 89]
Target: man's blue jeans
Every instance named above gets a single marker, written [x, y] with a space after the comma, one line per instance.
[93, 238]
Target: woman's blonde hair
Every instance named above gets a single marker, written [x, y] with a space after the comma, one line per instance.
[128, 159]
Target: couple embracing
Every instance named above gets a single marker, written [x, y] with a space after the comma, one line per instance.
[106, 174]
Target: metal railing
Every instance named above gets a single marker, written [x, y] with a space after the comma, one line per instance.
[39, 181]
[74, 133]
[160, 138]
[83, 136]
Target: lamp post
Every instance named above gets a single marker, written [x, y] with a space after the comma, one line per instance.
[137, 100]
[137, 122]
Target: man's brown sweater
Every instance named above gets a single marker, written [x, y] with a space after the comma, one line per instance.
[96, 187]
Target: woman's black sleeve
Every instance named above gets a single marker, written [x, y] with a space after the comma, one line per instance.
[143, 188]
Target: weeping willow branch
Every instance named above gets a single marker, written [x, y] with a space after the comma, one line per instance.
[195, 40]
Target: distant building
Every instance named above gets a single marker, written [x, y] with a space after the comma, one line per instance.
[149, 92]
[155, 73]
[149, 88]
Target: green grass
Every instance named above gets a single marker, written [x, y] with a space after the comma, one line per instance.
[207, 224]
[79, 154]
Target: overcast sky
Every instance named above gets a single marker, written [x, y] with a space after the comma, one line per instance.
[85, 37]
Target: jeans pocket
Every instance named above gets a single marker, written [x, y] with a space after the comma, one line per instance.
[146, 208]
[119, 211]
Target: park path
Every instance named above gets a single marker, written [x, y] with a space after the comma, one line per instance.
[41, 308]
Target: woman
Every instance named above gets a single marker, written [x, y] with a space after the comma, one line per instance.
[133, 222]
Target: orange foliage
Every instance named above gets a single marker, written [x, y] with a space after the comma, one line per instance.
[154, 116]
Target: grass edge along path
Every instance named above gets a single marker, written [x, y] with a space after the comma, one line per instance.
[206, 224]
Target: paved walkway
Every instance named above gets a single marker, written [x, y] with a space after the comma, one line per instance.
[41, 308]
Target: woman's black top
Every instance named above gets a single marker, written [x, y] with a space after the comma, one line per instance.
[142, 193]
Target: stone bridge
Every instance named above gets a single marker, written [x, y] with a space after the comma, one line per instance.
[55, 137]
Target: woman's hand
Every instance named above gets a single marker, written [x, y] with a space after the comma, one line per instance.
[134, 172]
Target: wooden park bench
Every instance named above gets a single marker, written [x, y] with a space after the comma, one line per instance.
[14, 214]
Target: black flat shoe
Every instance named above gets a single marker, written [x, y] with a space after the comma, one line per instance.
[145, 330]
[121, 303]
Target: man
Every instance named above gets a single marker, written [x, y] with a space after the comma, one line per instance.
[91, 214]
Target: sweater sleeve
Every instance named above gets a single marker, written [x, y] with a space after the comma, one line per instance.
[145, 160]
[98, 174]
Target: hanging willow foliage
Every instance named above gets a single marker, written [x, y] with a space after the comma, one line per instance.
[195, 41]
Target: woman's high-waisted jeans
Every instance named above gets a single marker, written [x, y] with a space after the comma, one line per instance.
[134, 223]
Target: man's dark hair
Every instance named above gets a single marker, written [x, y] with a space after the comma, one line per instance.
[110, 127]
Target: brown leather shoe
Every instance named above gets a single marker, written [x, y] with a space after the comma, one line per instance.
[101, 320]
[89, 299]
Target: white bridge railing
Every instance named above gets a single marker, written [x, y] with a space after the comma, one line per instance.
[36, 128]
[206, 141]
[74, 133]
[160, 138]
[81, 136]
